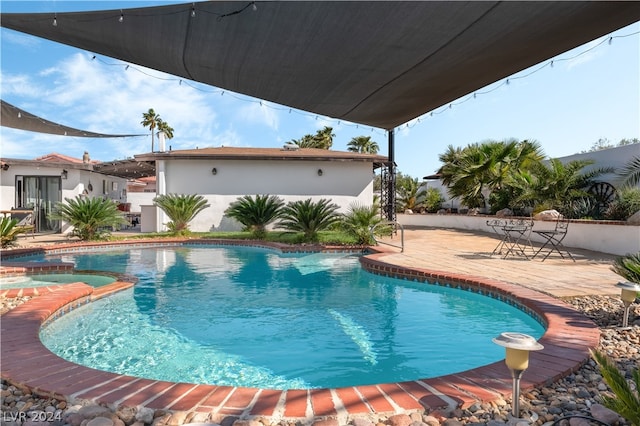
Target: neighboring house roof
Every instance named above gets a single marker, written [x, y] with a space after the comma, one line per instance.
[54, 157]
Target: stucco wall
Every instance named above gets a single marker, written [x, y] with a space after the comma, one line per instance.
[342, 182]
[618, 238]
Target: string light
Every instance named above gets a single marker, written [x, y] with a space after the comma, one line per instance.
[121, 18]
[254, 6]
[19, 114]
[55, 20]
[193, 10]
[409, 124]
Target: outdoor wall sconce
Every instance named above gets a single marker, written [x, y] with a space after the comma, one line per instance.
[320, 172]
[214, 171]
[628, 296]
[517, 346]
[64, 174]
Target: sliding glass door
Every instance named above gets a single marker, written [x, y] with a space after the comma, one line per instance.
[40, 193]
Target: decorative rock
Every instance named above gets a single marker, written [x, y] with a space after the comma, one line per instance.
[92, 411]
[452, 422]
[74, 419]
[431, 421]
[178, 418]
[360, 421]
[602, 413]
[247, 423]
[547, 215]
[325, 422]
[100, 421]
[144, 415]
[400, 420]
[634, 219]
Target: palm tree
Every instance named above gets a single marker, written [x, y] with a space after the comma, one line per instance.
[181, 209]
[409, 196]
[309, 217]
[323, 139]
[363, 144]
[256, 213]
[631, 172]
[150, 119]
[91, 218]
[164, 127]
[359, 220]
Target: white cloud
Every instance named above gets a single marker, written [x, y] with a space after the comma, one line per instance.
[261, 113]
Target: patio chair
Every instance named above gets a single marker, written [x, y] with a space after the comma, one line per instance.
[553, 239]
[26, 220]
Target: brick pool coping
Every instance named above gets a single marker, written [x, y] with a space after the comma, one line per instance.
[27, 362]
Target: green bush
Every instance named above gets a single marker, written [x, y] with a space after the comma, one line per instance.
[91, 218]
[359, 220]
[181, 209]
[626, 403]
[432, 200]
[309, 217]
[9, 231]
[627, 203]
[256, 213]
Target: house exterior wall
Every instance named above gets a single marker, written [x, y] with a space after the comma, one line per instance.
[342, 182]
[75, 183]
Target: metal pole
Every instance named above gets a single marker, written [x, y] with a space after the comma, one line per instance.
[516, 374]
[391, 200]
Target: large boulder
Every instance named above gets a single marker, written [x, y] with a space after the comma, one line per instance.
[504, 213]
[634, 219]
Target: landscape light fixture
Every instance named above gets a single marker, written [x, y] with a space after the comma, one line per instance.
[518, 346]
[628, 295]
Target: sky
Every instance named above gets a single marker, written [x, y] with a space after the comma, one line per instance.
[566, 103]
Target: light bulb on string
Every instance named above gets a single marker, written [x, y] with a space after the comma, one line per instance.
[55, 20]
[193, 10]
[121, 18]
[254, 6]
[19, 114]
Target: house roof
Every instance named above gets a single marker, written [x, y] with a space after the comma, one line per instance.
[379, 63]
[61, 158]
[238, 153]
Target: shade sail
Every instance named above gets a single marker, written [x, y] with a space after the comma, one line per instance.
[375, 63]
[17, 118]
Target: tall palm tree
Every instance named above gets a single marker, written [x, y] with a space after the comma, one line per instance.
[363, 144]
[150, 119]
[164, 127]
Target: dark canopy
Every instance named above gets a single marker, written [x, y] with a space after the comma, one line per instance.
[17, 118]
[376, 63]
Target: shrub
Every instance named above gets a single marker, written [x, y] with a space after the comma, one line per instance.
[256, 213]
[181, 209]
[9, 231]
[626, 403]
[309, 217]
[432, 200]
[91, 218]
[359, 220]
[628, 267]
[627, 203]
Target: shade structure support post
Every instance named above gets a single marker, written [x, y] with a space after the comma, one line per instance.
[388, 196]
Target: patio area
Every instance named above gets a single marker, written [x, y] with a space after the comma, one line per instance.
[459, 257]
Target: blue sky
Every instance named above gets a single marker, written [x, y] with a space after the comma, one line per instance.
[589, 93]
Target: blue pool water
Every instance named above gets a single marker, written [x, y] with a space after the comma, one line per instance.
[253, 317]
[43, 280]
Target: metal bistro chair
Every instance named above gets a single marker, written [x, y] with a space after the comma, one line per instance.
[553, 239]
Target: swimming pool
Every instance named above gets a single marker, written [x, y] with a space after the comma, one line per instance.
[44, 280]
[256, 318]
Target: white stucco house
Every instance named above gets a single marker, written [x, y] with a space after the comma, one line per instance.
[224, 174]
[40, 183]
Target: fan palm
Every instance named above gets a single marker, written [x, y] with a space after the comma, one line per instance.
[91, 218]
[164, 127]
[256, 213]
[409, 196]
[150, 119]
[359, 220]
[631, 172]
[309, 217]
[181, 209]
